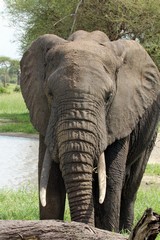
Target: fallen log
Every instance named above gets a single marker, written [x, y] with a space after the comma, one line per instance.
[147, 228]
[35, 230]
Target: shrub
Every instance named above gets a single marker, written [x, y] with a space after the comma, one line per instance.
[3, 90]
[17, 89]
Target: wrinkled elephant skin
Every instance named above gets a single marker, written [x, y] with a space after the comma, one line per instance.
[95, 104]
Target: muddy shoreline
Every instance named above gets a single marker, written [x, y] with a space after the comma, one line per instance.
[24, 135]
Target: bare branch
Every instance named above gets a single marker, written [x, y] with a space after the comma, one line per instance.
[60, 20]
[75, 16]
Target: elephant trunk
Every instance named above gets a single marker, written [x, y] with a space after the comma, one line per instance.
[76, 145]
[78, 181]
[78, 136]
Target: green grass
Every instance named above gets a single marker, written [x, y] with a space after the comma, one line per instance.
[20, 204]
[23, 203]
[153, 169]
[14, 116]
[16, 123]
[147, 197]
[67, 216]
[12, 103]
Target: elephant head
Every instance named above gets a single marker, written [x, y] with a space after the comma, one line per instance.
[83, 94]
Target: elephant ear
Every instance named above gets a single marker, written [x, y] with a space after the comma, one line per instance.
[33, 71]
[138, 86]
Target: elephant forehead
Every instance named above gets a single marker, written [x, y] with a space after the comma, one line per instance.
[85, 50]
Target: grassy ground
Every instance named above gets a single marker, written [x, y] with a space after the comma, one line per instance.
[146, 198]
[23, 204]
[153, 169]
[14, 116]
[19, 204]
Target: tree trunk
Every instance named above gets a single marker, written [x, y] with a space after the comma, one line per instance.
[147, 228]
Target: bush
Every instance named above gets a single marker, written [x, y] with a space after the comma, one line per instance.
[17, 89]
[13, 81]
[3, 90]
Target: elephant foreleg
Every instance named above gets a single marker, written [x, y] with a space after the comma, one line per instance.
[107, 214]
[56, 193]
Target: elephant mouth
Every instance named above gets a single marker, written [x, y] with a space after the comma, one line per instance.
[101, 170]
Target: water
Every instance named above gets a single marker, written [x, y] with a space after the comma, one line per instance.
[18, 161]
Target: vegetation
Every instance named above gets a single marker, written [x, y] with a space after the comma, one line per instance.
[18, 204]
[9, 71]
[40, 17]
[137, 19]
[3, 90]
[146, 198]
[14, 116]
[17, 89]
[153, 169]
[22, 204]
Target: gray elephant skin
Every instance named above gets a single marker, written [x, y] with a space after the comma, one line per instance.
[95, 104]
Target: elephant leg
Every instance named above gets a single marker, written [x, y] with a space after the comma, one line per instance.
[107, 214]
[56, 193]
[131, 185]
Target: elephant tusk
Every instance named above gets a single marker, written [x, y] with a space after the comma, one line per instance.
[44, 177]
[102, 178]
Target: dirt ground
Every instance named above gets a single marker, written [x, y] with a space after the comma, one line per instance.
[155, 155]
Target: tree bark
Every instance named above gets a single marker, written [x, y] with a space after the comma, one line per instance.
[51, 229]
[147, 228]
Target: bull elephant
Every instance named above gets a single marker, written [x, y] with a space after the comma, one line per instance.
[95, 104]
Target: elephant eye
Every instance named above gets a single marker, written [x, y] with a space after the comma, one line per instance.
[50, 94]
[108, 97]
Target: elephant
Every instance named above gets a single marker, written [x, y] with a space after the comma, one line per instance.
[95, 104]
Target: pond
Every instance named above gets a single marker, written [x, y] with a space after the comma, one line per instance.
[18, 161]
